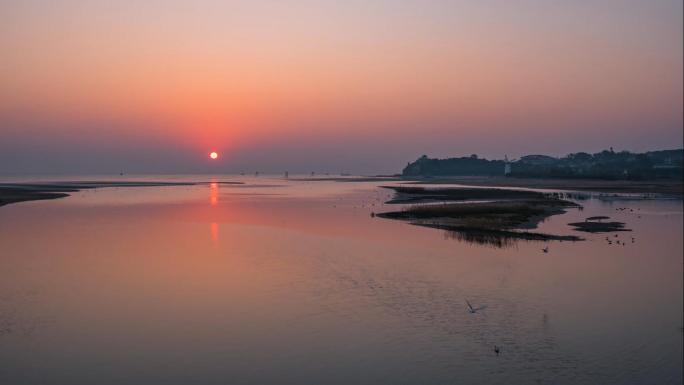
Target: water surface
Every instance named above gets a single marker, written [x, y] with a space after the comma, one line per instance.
[293, 282]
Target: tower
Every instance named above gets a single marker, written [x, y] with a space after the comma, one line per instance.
[507, 166]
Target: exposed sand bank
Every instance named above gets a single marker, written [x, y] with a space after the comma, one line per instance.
[483, 214]
[672, 187]
[22, 192]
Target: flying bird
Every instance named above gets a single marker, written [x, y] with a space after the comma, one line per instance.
[473, 310]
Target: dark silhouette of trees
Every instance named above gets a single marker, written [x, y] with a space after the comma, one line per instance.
[606, 164]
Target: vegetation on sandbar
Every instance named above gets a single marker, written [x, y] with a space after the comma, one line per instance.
[489, 222]
[599, 227]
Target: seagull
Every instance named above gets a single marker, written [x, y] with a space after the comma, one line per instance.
[473, 310]
[470, 307]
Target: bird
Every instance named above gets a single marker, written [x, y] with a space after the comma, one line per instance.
[473, 310]
[546, 249]
[470, 307]
[496, 350]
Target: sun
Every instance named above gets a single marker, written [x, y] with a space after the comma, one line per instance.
[213, 155]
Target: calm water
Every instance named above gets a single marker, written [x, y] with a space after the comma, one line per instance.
[285, 282]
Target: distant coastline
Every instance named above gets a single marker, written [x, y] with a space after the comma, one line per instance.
[672, 185]
[604, 165]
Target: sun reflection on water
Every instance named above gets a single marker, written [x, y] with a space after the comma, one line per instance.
[213, 201]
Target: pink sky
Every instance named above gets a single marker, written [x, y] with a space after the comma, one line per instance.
[355, 86]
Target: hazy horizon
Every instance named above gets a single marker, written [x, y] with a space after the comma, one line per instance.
[360, 87]
[210, 168]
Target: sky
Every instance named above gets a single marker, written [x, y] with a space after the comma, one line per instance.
[358, 86]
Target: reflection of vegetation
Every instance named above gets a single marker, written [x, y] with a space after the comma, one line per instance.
[501, 238]
[496, 223]
[482, 238]
[599, 227]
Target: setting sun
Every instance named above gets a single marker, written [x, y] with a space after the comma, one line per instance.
[213, 155]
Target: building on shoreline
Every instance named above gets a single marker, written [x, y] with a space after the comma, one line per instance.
[602, 165]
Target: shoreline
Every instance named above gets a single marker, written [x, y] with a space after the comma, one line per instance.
[665, 187]
[25, 192]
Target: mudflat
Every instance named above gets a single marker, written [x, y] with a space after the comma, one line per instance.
[480, 213]
[659, 186]
[22, 192]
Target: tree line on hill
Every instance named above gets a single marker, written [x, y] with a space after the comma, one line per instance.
[606, 164]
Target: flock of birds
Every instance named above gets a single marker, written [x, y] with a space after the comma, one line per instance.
[608, 239]
[379, 199]
[618, 241]
[627, 208]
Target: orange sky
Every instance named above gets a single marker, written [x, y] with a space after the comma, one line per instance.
[263, 81]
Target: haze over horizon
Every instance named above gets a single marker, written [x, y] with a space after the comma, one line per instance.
[361, 87]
